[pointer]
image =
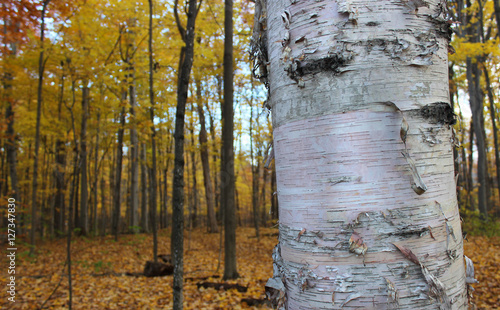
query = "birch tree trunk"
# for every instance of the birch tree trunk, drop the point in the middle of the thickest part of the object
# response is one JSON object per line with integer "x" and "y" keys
{"x": 363, "y": 147}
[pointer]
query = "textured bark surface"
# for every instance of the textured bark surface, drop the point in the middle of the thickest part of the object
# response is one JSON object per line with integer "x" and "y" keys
{"x": 207, "y": 181}
{"x": 185, "y": 65}
{"x": 227, "y": 163}
{"x": 84, "y": 193}
{"x": 364, "y": 162}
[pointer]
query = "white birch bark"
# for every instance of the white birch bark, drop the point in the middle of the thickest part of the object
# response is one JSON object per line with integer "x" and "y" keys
{"x": 363, "y": 148}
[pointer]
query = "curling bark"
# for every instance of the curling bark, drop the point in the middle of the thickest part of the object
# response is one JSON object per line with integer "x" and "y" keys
{"x": 368, "y": 211}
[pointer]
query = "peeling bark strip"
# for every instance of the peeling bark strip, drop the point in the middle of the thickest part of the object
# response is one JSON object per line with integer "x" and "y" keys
{"x": 359, "y": 96}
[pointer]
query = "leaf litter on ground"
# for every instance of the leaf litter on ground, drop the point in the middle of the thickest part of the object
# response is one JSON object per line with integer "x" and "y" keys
{"x": 99, "y": 267}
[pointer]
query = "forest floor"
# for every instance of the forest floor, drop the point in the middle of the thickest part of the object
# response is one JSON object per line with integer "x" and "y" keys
{"x": 99, "y": 267}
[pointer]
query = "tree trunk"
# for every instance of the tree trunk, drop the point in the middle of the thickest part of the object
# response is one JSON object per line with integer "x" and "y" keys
{"x": 207, "y": 181}
{"x": 255, "y": 178}
{"x": 227, "y": 163}
{"x": 84, "y": 195}
{"x": 134, "y": 157}
{"x": 215, "y": 169}
{"x": 185, "y": 65}
{"x": 364, "y": 160}
{"x": 493, "y": 117}
{"x": 153, "y": 188}
{"x": 472, "y": 204}
{"x": 263, "y": 197}
{"x": 60, "y": 186}
{"x": 476, "y": 105}
{"x": 41, "y": 67}
{"x": 194, "y": 205}
{"x": 274, "y": 196}
{"x": 10, "y": 144}
{"x": 104, "y": 215}
{"x": 496, "y": 5}
{"x": 144, "y": 192}
{"x": 96, "y": 175}
{"x": 118, "y": 170}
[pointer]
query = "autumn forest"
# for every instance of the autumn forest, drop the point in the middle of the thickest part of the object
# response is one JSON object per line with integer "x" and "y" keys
{"x": 136, "y": 152}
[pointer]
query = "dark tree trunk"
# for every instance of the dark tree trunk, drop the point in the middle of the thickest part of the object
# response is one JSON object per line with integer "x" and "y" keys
{"x": 118, "y": 170}
{"x": 194, "y": 202}
{"x": 471, "y": 165}
{"x": 10, "y": 144}
{"x": 104, "y": 215}
{"x": 263, "y": 196}
{"x": 476, "y": 103}
{"x": 84, "y": 195}
{"x": 496, "y": 4}
{"x": 134, "y": 157}
{"x": 255, "y": 177}
{"x": 164, "y": 206}
{"x": 41, "y": 68}
{"x": 70, "y": 227}
{"x": 185, "y": 65}
{"x": 494, "y": 126}
{"x": 153, "y": 186}
{"x": 274, "y": 197}
{"x": 227, "y": 164}
{"x": 96, "y": 175}
{"x": 207, "y": 181}
{"x": 144, "y": 192}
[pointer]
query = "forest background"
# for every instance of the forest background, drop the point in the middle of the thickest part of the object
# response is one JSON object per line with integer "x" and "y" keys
{"x": 79, "y": 117}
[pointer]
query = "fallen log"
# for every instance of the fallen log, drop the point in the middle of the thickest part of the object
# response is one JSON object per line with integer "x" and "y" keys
{"x": 222, "y": 286}
{"x": 252, "y": 302}
{"x": 157, "y": 269}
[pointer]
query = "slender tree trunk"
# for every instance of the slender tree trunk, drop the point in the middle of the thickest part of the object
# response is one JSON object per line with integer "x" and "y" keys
{"x": 255, "y": 177}
{"x": 185, "y": 65}
{"x": 144, "y": 192}
{"x": 161, "y": 191}
{"x": 112, "y": 166}
{"x": 364, "y": 166}
{"x": 41, "y": 67}
{"x": 496, "y": 5}
{"x": 152, "y": 194}
{"x": 10, "y": 143}
{"x": 84, "y": 196}
{"x": 476, "y": 104}
{"x": 134, "y": 157}
{"x": 227, "y": 163}
{"x": 274, "y": 196}
{"x": 263, "y": 197}
{"x": 104, "y": 216}
{"x": 215, "y": 170}
{"x": 118, "y": 170}
{"x": 207, "y": 181}
{"x": 493, "y": 117}
{"x": 164, "y": 206}
{"x": 472, "y": 204}
{"x": 194, "y": 207}
{"x": 96, "y": 175}
{"x": 70, "y": 228}
{"x": 59, "y": 169}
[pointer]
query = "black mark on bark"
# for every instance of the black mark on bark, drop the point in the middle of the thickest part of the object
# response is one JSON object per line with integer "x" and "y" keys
{"x": 440, "y": 112}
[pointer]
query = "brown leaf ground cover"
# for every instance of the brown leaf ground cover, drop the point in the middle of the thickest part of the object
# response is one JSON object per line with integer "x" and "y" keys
{"x": 100, "y": 264}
